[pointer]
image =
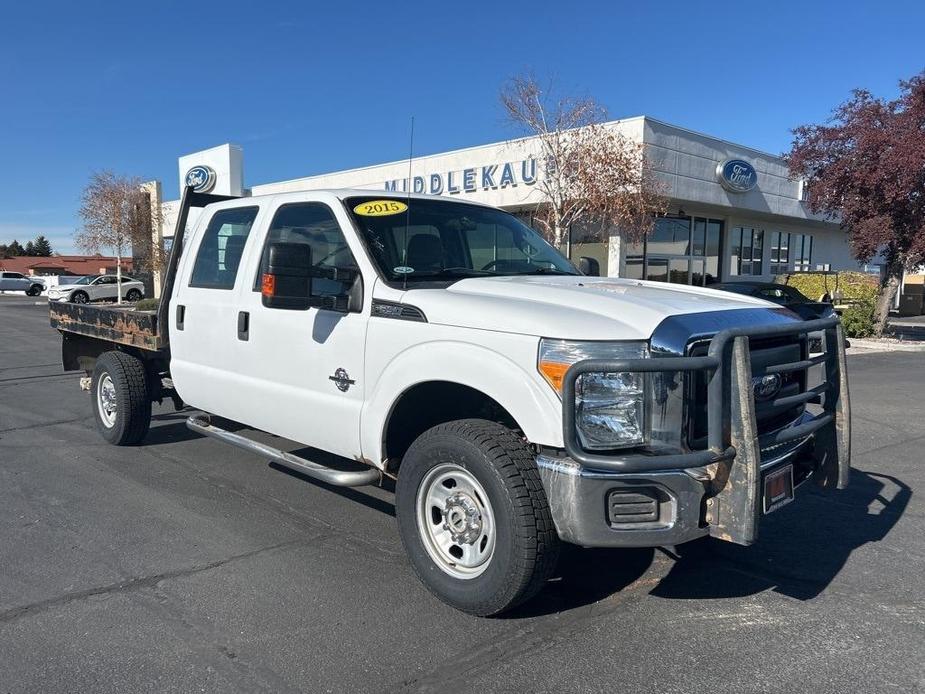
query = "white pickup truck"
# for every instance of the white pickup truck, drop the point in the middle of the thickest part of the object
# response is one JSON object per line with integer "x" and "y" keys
{"x": 516, "y": 401}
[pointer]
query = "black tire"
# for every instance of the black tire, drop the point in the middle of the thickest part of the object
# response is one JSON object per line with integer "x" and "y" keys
{"x": 131, "y": 418}
{"x": 80, "y": 297}
{"x": 133, "y": 295}
{"x": 34, "y": 290}
{"x": 526, "y": 546}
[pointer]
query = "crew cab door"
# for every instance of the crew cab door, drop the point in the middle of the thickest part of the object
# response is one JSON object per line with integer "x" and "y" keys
{"x": 204, "y": 359}
{"x": 303, "y": 369}
{"x": 293, "y": 373}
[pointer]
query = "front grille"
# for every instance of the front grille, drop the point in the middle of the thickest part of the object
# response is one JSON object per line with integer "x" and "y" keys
{"x": 763, "y": 353}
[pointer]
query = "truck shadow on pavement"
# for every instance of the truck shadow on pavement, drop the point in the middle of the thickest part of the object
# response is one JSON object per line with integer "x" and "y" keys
{"x": 171, "y": 428}
{"x": 800, "y": 550}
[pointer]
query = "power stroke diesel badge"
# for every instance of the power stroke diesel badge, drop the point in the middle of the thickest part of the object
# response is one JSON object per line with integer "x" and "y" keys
{"x": 342, "y": 380}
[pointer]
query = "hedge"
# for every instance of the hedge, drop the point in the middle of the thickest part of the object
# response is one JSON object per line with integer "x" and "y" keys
{"x": 858, "y": 289}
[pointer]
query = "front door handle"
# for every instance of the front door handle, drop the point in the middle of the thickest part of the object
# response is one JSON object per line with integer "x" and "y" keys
{"x": 244, "y": 325}
{"x": 181, "y": 316}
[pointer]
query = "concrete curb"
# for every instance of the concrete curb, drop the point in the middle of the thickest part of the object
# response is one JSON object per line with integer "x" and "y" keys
{"x": 886, "y": 345}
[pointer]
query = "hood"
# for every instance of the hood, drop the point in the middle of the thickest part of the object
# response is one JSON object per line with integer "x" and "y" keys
{"x": 572, "y": 307}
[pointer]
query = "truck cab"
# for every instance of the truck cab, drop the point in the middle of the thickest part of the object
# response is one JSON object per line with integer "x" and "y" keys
{"x": 517, "y": 402}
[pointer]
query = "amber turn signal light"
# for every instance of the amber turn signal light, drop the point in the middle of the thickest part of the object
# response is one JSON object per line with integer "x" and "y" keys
{"x": 268, "y": 285}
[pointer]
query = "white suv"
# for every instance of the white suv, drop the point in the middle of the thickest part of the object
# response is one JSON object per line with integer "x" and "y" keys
{"x": 86, "y": 289}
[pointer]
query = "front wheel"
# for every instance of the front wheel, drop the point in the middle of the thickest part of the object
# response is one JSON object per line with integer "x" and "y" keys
{"x": 473, "y": 516}
{"x": 133, "y": 295}
{"x": 121, "y": 404}
{"x": 80, "y": 298}
{"x": 34, "y": 290}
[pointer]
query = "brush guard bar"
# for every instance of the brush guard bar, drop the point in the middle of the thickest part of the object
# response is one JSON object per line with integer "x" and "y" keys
{"x": 733, "y": 454}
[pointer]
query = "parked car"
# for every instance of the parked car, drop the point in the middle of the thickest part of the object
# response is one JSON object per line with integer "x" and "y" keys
{"x": 18, "y": 282}
{"x": 517, "y": 402}
{"x": 782, "y": 294}
{"x": 93, "y": 288}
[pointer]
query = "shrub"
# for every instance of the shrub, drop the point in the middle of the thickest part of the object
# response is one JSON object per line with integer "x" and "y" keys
{"x": 858, "y": 289}
{"x": 858, "y": 319}
{"x": 146, "y": 305}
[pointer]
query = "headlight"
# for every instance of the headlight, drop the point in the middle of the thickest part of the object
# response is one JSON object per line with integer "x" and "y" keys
{"x": 609, "y": 407}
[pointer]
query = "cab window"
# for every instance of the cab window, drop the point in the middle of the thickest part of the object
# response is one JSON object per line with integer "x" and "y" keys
{"x": 313, "y": 224}
{"x": 221, "y": 248}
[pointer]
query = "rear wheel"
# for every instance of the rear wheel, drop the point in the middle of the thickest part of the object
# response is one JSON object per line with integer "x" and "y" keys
{"x": 80, "y": 297}
{"x": 473, "y": 516}
{"x": 121, "y": 404}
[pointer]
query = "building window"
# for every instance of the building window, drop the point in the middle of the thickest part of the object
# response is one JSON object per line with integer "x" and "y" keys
{"x": 791, "y": 251}
{"x": 802, "y": 251}
{"x": 683, "y": 250}
{"x": 747, "y": 248}
{"x": 780, "y": 253}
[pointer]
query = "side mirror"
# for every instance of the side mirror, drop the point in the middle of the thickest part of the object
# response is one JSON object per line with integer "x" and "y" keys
{"x": 287, "y": 281}
{"x": 589, "y": 266}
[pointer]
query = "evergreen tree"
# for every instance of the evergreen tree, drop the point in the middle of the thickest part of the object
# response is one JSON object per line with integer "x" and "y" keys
{"x": 14, "y": 249}
{"x": 4, "y": 251}
{"x": 41, "y": 247}
{"x": 30, "y": 248}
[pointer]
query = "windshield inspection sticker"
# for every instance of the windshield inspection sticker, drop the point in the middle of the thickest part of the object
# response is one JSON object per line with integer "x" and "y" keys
{"x": 402, "y": 270}
{"x": 380, "y": 208}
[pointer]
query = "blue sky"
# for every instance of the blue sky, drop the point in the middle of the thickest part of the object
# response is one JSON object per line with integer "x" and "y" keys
{"x": 309, "y": 87}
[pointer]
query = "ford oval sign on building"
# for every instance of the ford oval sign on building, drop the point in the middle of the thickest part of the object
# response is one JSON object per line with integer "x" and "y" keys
{"x": 736, "y": 175}
{"x": 201, "y": 179}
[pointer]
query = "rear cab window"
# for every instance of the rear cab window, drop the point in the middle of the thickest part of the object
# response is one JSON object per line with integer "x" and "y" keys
{"x": 221, "y": 248}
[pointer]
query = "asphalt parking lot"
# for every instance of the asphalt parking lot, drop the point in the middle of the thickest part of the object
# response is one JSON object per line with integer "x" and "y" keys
{"x": 186, "y": 565}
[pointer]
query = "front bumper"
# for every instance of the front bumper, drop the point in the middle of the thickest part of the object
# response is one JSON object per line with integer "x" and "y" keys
{"x": 671, "y": 499}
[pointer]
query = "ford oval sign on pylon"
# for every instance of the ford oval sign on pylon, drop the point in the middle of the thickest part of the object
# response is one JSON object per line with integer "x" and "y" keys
{"x": 201, "y": 178}
{"x": 736, "y": 175}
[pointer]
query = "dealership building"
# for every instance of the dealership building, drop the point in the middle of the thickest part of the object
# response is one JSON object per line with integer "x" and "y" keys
{"x": 734, "y": 212}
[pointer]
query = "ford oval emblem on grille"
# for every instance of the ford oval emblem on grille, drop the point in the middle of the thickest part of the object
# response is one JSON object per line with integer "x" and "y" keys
{"x": 766, "y": 387}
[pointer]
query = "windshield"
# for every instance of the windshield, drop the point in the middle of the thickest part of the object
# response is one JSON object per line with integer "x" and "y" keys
{"x": 78, "y": 280}
{"x": 442, "y": 240}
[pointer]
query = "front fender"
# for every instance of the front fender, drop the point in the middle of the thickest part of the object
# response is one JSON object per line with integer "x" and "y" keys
{"x": 528, "y": 399}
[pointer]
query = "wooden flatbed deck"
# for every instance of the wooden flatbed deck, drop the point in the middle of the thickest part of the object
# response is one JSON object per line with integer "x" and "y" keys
{"x": 119, "y": 324}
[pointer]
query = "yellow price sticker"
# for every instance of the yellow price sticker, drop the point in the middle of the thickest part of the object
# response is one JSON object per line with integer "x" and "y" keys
{"x": 380, "y": 208}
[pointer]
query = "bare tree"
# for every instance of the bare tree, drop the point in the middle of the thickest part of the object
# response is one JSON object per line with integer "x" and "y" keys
{"x": 594, "y": 175}
{"x": 117, "y": 214}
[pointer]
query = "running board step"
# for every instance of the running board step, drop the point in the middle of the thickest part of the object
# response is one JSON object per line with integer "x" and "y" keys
{"x": 202, "y": 424}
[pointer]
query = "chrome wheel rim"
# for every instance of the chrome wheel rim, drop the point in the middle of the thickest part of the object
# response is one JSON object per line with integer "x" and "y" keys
{"x": 456, "y": 521}
{"x": 79, "y": 299}
{"x": 106, "y": 400}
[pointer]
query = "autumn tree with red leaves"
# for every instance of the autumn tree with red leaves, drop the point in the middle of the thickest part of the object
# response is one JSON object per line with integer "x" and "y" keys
{"x": 866, "y": 168}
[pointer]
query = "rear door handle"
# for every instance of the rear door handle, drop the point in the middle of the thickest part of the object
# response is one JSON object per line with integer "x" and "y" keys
{"x": 244, "y": 325}
{"x": 181, "y": 314}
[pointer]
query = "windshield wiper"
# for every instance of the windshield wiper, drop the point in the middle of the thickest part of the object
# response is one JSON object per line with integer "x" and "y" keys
{"x": 450, "y": 272}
